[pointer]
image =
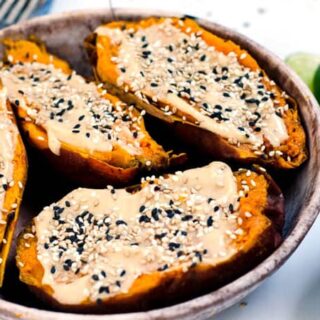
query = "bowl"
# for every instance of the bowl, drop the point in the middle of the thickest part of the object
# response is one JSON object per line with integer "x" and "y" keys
{"x": 64, "y": 34}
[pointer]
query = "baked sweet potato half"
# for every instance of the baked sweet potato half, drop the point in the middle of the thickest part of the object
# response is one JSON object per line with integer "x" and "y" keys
{"x": 87, "y": 134}
{"x": 212, "y": 93}
{"x": 13, "y": 172}
{"x": 166, "y": 240}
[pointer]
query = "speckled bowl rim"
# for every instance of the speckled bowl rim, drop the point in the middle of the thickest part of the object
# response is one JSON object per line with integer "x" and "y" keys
{"x": 212, "y": 303}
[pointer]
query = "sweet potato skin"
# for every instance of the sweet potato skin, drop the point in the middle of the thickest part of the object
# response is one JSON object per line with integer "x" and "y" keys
{"x": 100, "y": 52}
{"x": 165, "y": 288}
{"x": 90, "y": 169}
{"x": 13, "y": 195}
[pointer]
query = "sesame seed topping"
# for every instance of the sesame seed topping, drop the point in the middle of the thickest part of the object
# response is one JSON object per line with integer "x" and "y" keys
{"x": 78, "y": 107}
{"x": 120, "y": 235}
{"x": 187, "y": 67}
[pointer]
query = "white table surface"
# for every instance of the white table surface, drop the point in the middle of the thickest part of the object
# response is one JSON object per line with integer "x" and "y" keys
{"x": 283, "y": 26}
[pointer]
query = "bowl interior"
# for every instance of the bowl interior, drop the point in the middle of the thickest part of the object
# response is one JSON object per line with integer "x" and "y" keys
{"x": 64, "y": 36}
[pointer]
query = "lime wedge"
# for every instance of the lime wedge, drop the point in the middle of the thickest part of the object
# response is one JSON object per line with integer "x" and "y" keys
{"x": 305, "y": 65}
{"x": 316, "y": 84}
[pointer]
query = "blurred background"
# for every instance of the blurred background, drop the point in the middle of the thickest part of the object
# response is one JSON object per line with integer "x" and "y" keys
{"x": 289, "y": 28}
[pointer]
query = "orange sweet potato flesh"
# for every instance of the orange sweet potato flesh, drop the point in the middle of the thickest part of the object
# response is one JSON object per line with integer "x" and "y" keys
{"x": 13, "y": 194}
{"x": 158, "y": 289}
{"x": 96, "y": 168}
{"x": 100, "y": 50}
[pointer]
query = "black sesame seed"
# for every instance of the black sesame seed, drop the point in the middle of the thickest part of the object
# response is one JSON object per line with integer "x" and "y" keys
{"x": 205, "y": 105}
{"x": 163, "y": 268}
{"x": 252, "y": 100}
{"x": 70, "y": 105}
{"x": 198, "y": 255}
{"x": 173, "y": 246}
{"x": 52, "y": 239}
{"x": 103, "y": 273}
{"x": 160, "y": 236}
{"x": 153, "y": 84}
{"x": 123, "y": 272}
{"x": 203, "y": 57}
{"x": 68, "y": 262}
{"x": 95, "y": 277}
{"x": 226, "y": 94}
{"x": 179, "y": 253}
{"x": 104, "y": 289}
{"x": 53, "y": 269}
{"x": 144, "y": 218}
{"x": 154, "y": 214}
{"x": 243, "y": 96}
{"x": 209, "y": 221}
{"x": 170, "y": 213}
{"x": 120, "y": 222}
{"x": 109, "y": 237}
{"x": 187, "y": 217}
{"x": 142, "y": 208}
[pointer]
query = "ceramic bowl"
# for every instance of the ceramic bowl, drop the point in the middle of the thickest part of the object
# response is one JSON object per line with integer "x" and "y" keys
{"x": 64, "y": 34}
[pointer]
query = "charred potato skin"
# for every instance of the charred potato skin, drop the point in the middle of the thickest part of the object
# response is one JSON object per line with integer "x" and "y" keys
{"x": 173, "y": 286}
{"x": 13, "y": 195}
{"x": 74, "y": 163}
{"x": 202, "y": 139}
